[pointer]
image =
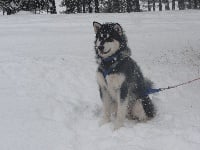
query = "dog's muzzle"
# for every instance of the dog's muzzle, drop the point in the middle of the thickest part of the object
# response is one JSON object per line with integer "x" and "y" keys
{"x": 101, "y": 48}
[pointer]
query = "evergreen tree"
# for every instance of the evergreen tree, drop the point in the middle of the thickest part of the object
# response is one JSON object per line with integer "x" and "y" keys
{"x": 52, "y": 7}
{"x": 167, "y": 5}
{"x": 149, "y": 6}
{"x": 96, "y": 2}
{"x": 128, "y": 4}
{"x": 154, "y": 5}
{"x": 116, "y": 6}
{"x": 8, "y": 6}
{"x": 173, "y": 4}
{"x": 89, "y": 6}
{"x": 137, "y": 6}
{"x": 195, "y": 4}
{"x": 189, "y": 4}
{"x": 70, "y": 6}
{"x": 84, "y": 5}
{"x": 199, "y": 3}
{"x": 160, "y": 5}
{"x": 181, "y": 4}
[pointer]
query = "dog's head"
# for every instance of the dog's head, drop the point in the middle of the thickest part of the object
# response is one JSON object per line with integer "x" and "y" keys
{"x": 109, "y": 39}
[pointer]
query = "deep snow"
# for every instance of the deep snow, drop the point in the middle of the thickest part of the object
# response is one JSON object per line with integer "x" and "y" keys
{"x": 49, "y": 98}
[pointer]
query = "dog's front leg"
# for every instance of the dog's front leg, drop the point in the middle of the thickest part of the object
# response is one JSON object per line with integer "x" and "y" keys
{"x": 106, "y": 99}
{"x": 121, "y": 111}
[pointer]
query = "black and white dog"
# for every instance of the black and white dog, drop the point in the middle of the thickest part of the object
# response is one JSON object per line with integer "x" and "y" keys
{"x": 121, "y": 83}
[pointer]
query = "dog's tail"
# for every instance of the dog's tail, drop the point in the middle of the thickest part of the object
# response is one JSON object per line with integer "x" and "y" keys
{"x": 147, "y": 102}
{"x": 148, "y": 84}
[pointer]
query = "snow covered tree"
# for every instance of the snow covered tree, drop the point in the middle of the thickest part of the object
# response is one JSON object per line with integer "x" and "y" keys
{"x": 149, "y": 5}
{"x": 36, "y": 6}
{"x": 89, "y": 6}
{"x": 9, "y": 6}
{"x": 96, "y": 2}
{"x": 189, "y": 4}
{"x": 167, "y": 5}
{"x": 106, "y": 6}
{"x": 132, "y": 5}
{"x": 70, "y": 6}
{"x": 160, "y": 5}
{"x": 181, "y": 4}
{"x": 154, "y": 5}
{"x": 79, "y": 7}
{"x": 52, "y": 6}
{"x": 173, "y": 4}
{"x": 137, "y": 6}
{"x": 116, "y": 6}
{"x": 129, "y": 5}
{"x": 195, "y": 4}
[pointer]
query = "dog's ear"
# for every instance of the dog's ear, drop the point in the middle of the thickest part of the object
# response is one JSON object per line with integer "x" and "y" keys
{"x": 118, "y": 28}
{"x": 96, "y": 26}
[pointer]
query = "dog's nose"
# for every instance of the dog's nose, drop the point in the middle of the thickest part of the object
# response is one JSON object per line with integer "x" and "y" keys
{"x": 101, "y": 47}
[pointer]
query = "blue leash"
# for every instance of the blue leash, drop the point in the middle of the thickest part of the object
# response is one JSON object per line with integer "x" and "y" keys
{"x": 152, "y": 91}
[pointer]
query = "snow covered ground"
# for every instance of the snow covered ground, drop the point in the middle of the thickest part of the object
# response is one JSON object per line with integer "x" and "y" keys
{"x": 49, "y": 98}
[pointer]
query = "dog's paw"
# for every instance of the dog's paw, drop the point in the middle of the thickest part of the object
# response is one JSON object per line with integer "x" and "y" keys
{"x": 117, "y": 125}
{"x": 104, "y": 121}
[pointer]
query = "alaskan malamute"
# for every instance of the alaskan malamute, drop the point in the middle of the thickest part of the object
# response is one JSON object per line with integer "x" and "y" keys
{"x": 121, "y": 83}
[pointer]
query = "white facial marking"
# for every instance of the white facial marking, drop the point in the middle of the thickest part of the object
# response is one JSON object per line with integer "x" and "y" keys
{"x": 110, "y": 47}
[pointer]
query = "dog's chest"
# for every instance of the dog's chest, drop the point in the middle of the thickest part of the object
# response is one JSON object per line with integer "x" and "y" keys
{"x": 111, "y": 82}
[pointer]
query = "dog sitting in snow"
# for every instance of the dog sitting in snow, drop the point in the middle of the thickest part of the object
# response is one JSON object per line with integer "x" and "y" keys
{"x": 121, "y": 83}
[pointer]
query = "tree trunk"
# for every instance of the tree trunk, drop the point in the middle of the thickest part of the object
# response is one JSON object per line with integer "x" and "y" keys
{"x": 128, "y": 8}
{"x": 160, "y": 5}
{"x": 154, "y": 5}
{"x": 9, "y": 11}
{"x": 181, "y": 4}
{"x": 78, "y": 6}
{"x": 89, "y": 6}
{"x": 116, "y": 6}
{"x": 83, "y": 1}
{"x": 109, "y": 6}
{"x": 195, "y": 4}
{"x": 189, "y": 4}
{"x": 53, "y": 7}
{"x": 137, "y": 6}
{"x": 3, "y": 11}
{"x": 167, "y": 5}
{"x": 96, "y": 6}
{"x": 199, "y": 4}
{"x": 173, "y": 4}
{"x": 149, "y": 6}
